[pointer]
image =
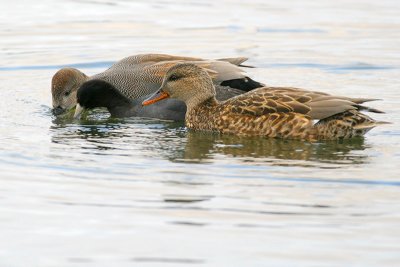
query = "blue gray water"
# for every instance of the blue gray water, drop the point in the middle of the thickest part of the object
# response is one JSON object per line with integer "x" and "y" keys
{"x": 140, "y": 192}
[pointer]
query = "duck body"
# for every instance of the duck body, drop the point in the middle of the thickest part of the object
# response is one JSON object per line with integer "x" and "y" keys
{"x": 228, "y": 118}
{"x": 98, "y": 93}
{"x": 140, "y": 75}
{"x": 268, "y": 111}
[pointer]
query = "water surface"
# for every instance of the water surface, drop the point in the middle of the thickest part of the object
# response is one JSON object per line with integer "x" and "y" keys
{"x": 142, "y": 192}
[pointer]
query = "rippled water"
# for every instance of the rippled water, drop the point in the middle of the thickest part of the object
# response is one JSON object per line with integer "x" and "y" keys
{"x": 140, "y": 192}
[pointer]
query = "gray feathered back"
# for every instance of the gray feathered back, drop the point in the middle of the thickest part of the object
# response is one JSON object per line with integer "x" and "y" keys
{"x": 140, "y": 75}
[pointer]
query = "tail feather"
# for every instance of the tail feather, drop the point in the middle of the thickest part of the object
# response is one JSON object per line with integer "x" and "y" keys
{"x": 235, "y": 60}
{"x": 370, "y": 125}
{"x": 245, "y": 84}
{"x": 345, "y": 125}
{"x": 227, "y": 74}
{"x": 226, "y": 71}
{"x": 359, "y": 100}
{"x": 246, "y": 66}
{"x": 365, "y": 108}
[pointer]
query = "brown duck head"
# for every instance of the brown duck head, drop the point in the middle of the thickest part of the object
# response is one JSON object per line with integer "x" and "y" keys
{"x": 64, "y": 86}
{"x": 187, "y": 82}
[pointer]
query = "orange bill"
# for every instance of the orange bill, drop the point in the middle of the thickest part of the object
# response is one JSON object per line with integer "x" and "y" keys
{"x": 157, "y": 96}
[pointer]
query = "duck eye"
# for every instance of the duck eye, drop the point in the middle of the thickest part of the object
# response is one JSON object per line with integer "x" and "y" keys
{"x": 173, "y": 77}
{"x": 67, "y": 93}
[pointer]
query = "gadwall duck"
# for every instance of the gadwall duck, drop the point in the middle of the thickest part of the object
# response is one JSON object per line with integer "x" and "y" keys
{"x": 141, "y": 75}
{"x": 268, "y": 111}
{"x": 98, "y": 93}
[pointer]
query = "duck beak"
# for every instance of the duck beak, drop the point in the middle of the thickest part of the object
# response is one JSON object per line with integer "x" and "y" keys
{"x": 58, "y": 110}
{"x": 157, "y": 96}
{"x": 78, "y": 111}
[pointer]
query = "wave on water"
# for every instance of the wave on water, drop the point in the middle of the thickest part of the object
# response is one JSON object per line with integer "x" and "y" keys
{"x": 83, "y": 65}
{"x": 105, "y": 64}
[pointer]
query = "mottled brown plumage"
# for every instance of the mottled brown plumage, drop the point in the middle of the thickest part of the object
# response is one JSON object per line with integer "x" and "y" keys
{"x": 141, "y": 75}
{"x": 268, "y": 111}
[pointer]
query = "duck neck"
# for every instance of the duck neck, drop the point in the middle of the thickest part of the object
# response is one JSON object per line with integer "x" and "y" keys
{"x": 201, "y": 114}
{"x": 80, "y": 78}
{"x": 120, "y": 106}
{"x": 194, "y": 103}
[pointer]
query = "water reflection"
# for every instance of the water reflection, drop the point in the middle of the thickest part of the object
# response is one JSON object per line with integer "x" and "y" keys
{"x": 201, "y": 145}
{"x": 172, "y": 141}
{"x": 122, "y": 137}
{"x": 168, "y": 260}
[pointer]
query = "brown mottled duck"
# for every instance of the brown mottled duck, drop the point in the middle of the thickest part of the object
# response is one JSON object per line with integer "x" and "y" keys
{"x": 268, "y": 111}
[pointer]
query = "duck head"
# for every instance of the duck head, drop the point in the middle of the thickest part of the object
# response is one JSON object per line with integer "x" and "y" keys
{"x": 98, "y": 93}
{"x": 187, "y": 82}
{"x": 64, "y": 86}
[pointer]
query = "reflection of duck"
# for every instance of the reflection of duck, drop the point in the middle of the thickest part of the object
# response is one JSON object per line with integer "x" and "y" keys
{"x": 140, "y": 75}
{"x": 267, "y": 111}
{"x": 100, "y": 132}
{"x": 205, "y": 145}
{"x": 136, "y": 135}
{"x": 93, "y": 133}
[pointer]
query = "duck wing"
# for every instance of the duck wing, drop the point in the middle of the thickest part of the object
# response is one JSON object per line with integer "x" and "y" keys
{"x": 321, "y": 105}
{"x": 156, "y": 58}
{"x": 261, "y": 102}
{"x": 324, "y": 105}
{"x": 141, "y": 60}
{"x": 317, "y": 105}
{"x": 219, "y": 70}
{"x": 142, "y": 79}
{"x": 149, "y": 59}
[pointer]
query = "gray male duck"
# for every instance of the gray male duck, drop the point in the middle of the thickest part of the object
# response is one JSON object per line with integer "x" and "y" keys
{"x": 134, "y": 77}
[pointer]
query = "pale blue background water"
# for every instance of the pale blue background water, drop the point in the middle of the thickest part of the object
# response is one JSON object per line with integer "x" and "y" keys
{"x": 138, "y": 192}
